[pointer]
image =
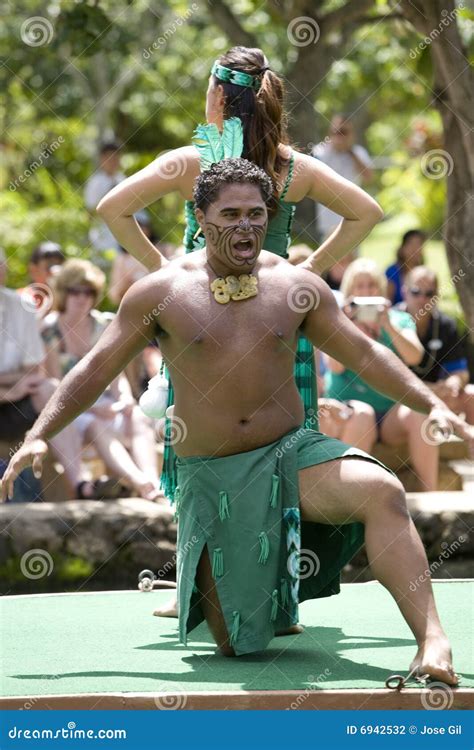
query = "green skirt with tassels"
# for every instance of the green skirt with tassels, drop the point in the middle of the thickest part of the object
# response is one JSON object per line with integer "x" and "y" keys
{"x": 265, "y": 561}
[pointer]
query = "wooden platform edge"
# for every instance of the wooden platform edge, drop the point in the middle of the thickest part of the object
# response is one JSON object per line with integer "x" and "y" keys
{"x": 258, "y": 700}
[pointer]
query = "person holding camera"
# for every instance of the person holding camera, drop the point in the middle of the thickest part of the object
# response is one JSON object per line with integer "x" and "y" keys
{"x": 364, "y": 287}
{"x": 444, "y": 366}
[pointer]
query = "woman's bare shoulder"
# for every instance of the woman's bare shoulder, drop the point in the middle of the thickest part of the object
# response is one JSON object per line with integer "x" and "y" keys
{"x": 302, "y": 173}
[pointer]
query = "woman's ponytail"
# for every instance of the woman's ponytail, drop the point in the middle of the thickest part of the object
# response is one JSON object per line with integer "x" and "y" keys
{"x": 262, "y": 112}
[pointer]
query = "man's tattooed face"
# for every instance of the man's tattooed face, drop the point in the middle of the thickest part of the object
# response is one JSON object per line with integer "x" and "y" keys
{"x": 235, "y": 226}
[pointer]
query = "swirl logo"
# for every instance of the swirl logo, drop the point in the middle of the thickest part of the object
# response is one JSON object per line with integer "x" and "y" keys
{"x": 438, "y": 697}
{"x": 71, "y": 725}
{"x": 302, "y": 298}
{"x": 36, "y": 31}
{"x": 302, "y": 31}
{"x": 434, "y": 433}
{"x": 37, "y": 298}
{"x": 171, "y": 168}
{"x": 436, "y": 164}
{"x": 309, "y": 564}
{"x": 177, "y": 431}
{"x": 36, "y": 563}
{"x": 171, "y": 702}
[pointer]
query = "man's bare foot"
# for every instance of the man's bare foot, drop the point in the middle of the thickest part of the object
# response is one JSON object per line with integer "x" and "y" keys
{"x": 434, "y": 658}
{"x": 292, "y": 630}
{"x": 170, "y": 609}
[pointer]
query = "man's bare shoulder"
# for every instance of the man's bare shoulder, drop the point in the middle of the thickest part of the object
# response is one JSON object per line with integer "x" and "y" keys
{"x": 167, "y": 280}
{"x": 294, "y": 273}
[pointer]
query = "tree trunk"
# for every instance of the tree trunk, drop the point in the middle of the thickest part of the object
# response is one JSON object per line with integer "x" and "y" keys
{"x": 454, "y": 98}
{"x": 303, "y": 130}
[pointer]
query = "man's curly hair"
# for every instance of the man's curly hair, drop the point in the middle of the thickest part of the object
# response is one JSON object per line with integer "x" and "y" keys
{"x": 229, "y": 172}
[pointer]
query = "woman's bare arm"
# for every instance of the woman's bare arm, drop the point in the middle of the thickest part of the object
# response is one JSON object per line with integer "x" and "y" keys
{"x": 359, "y": 211}
{"x": 171, "y": 172}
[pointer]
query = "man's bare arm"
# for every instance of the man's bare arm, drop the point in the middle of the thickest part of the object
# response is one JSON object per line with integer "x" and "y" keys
{"x": 330, "y": 330}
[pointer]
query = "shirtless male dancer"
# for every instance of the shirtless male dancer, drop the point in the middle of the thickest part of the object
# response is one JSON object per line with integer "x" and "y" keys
{"x": 227, "y": 318}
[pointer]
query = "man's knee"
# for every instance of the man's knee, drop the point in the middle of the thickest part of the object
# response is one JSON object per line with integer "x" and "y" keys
{"x": 392, "y": 497}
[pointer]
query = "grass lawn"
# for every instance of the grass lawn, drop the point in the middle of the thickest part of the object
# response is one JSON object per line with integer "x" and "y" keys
{"x": 382, "y": 244}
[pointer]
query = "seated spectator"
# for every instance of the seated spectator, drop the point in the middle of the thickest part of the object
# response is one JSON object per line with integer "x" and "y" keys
{"x": 409, "y": 255}
{"x": 46, "y": 256}
{"x": 45, "y": 260}
{"x": 352, "y": 422}
{"x": 396, "y": 424}
{"x": 24, "y": 389}
{"x": 444, "y": 364}
{"x": 125, "y": 271}
{"x": 115, "y": 425}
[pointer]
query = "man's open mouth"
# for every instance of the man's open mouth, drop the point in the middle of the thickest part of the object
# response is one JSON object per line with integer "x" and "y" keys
{"x": 244, "y": 248}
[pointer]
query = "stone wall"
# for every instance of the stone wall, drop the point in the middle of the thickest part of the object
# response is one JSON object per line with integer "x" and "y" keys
{"x": 84, "y": 545}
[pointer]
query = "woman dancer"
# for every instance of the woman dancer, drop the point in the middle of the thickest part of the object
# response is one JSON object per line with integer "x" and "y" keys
{"x": 242, "y": 85}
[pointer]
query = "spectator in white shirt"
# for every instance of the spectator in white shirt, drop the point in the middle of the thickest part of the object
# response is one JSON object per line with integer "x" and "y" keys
{"x": 24, "y": 388}
{"x": 352, "y": 161}
{"x": 107, "y": 176}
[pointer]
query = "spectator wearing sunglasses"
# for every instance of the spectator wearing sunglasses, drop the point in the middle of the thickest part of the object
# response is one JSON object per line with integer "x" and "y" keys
{"x": 352, "y": 161}
{"x": 409, "y": 255}
{"x": 444, "y": 365}
{"x": 119, "y": 431}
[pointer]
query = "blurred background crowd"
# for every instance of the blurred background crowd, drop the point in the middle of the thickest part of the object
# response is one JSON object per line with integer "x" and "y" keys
{"x": 130, "y": 85}
{"x": 65, "y": 303}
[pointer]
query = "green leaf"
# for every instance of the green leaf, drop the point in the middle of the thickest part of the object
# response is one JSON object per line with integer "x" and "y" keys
{"x": 233, "y": 138}
{"x": 208, "y": 142}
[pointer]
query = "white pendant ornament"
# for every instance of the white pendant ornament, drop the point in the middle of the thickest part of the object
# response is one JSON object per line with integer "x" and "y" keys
{"x": 154, "y": 401}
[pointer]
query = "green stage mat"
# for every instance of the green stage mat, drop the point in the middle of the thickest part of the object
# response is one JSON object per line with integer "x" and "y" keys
{"x": 109, "y": 642}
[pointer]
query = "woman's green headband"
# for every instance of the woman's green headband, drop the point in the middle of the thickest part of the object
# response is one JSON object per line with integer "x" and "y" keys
{"x": 235, "y": 76}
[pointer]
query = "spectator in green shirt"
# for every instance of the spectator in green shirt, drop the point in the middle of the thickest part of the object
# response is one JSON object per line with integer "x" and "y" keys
{"x": 394, "y": 424}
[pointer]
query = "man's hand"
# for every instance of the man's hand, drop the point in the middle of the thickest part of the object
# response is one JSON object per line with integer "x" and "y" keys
{"x": 30, "y": 454}
{"x": 441, "y": 423}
